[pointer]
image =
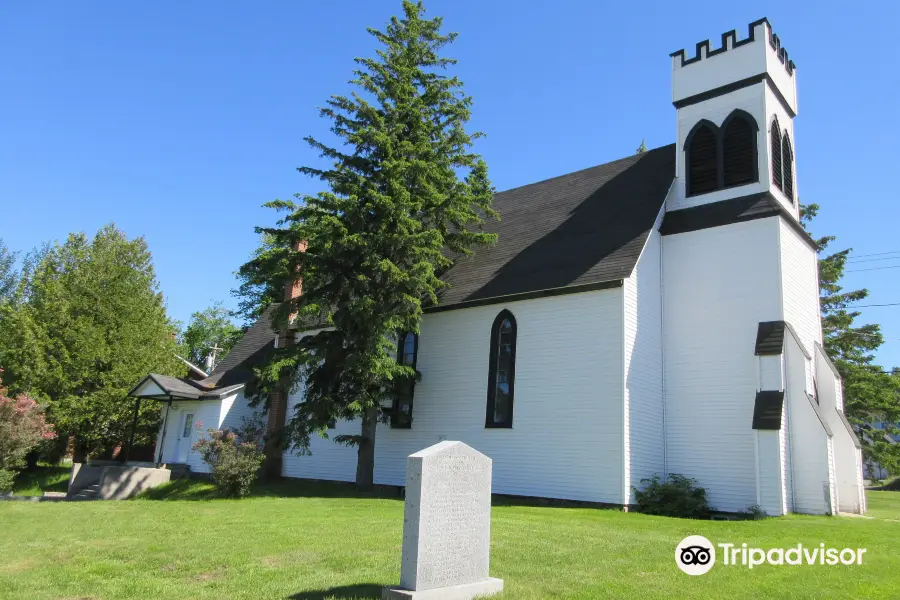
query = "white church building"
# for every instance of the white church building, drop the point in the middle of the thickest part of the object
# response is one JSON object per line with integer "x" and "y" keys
{"x": 656, "y": 314}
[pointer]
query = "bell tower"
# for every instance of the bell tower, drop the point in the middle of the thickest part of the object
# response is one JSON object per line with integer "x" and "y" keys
{"x": 735, "y": 120}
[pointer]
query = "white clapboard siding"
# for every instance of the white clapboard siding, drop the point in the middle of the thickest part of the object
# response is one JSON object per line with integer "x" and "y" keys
{"x": 787, "y": 481}
{"x": 326, "y": 460}
{"x": 236, "y": 408}
{"x": 769, "y": 473}
{"x": 567, "y": 438}
{"x": 718, "y": 284}
{"x": 800, "y": 288}
{"x": 812, "y": 472}
{"x": 644, "y": 423}
{"x": 205, "y": 412}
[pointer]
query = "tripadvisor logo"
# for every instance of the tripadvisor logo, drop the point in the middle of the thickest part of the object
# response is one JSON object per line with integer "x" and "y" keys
{"x": 696, "y": 555}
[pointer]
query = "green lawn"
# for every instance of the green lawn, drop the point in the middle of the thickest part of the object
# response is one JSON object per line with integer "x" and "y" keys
{"x": 44, "y": 479}
{"x": 326, "y": 542}
{"x": 883, "y": 505}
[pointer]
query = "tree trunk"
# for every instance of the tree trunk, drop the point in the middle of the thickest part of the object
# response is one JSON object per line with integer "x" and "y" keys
{"x": 79, "y": 451}
{"x": 365, "y": 462}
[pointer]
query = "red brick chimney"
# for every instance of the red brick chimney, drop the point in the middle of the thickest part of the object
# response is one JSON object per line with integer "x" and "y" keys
{"x": 278, "y": 400}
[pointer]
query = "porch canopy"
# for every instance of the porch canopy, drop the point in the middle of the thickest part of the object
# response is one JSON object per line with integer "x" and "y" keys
{"x": 168, "y": 388}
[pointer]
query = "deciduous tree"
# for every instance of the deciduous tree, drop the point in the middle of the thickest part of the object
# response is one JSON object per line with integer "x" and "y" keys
{"x": 91, "y": 323}
{"x": 207, "y": 328}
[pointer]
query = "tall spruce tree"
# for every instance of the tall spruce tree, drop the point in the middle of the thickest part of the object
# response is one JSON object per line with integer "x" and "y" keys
{"x": 870, "y": 393}
{"x": 405, "y": 195}
{"x": 89, "y": 323}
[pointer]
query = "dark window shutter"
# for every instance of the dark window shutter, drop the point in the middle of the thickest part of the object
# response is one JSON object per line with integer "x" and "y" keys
{"x": 703, "y": 172}
{"x": 776, "y": 155}
{"x": 739, "y": 152}
{"x": 787, "y": 166}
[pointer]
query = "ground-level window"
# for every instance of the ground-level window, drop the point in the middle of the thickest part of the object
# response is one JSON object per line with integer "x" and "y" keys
{"x": 407, "y": 349}
{"x": 501, "y": 371}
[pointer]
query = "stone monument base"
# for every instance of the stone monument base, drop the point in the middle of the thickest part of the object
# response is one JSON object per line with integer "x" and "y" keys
{"x": 465, "y": 591}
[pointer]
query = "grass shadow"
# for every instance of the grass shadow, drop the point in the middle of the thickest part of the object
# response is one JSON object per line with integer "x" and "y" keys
{"x": 196, "y": 489}
{"x": 43, "y": 479}
{"x": 181, "y": 489}
{"x": 360, "y": 590}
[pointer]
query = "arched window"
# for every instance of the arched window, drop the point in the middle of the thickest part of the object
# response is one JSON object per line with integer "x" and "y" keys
{"x": 739, "y": 149}
{"x": 407, "y": 351}
{"x": 702, "y": 159}
{"x": 787, "y": 166}
{"x": 776, "y": 155}
{"x": 501, "y": 371}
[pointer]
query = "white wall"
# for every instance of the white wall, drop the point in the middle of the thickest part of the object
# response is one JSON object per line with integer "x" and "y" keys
{"x": 205, "y": 411}
{"x": 787, "y": 465}
{"x": 770, "y": 444}
{"x": 718, "y": 284}
{"x": 644, "y": 423}
{"x": 770, "y": 495}
{"x": 847, "y": 471}
{"x": 234, "y": 409}
{"x": 811, "y": 453}
{"x": 566, "y": 440}
{"x": 800, "y": 288}
{"x": 327, "y": 460}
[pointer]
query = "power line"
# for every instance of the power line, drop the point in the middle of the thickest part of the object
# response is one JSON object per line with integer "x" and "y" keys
{"x": 852, "y": 260}
{"x": 875, "y": 254}
{"x": 870, "y": 305}
{"x": 873, "y": 269}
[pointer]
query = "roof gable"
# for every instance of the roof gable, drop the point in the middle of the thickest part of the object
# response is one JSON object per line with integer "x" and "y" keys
{"x": 251, "y": 350}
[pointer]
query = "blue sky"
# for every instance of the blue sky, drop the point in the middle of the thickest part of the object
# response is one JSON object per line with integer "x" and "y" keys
{"x": 177, "y": 120}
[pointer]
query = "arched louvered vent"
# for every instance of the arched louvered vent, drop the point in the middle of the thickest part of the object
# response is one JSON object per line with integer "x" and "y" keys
{"x": 702, "y": 161}
{"x": 739, "y": 150}
{"x": 787, "y": 166}
{"x": 776, "y": 155}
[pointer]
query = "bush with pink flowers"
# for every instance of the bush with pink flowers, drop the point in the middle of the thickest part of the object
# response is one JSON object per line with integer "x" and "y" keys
{"x": 235, "y": 456}
{"x": 22, "y": 428}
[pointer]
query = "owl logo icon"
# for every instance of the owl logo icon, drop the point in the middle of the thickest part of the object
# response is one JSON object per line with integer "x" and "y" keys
{"x": 695, "y": 555}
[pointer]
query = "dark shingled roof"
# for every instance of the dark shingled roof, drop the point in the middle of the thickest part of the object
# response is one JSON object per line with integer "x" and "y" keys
{"x": 576, "y": 230}
{"x": 233, "y": 371}
{"x": 587, "y": 227}
{"x": 251, "y": 350}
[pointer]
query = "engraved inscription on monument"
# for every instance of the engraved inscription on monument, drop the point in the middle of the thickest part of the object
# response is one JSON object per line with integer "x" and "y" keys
{"x": 446, "y": 525}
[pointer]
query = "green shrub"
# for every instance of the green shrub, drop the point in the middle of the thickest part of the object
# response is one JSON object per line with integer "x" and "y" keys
{"x": 234, "y": 456}
{"x": 7, "y": 478}
{"x": 675, "y": 496}
{"x": 754, "y": 512}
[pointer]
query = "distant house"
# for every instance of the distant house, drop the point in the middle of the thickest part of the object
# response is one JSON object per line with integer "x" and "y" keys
{"x": 655, "y": 314}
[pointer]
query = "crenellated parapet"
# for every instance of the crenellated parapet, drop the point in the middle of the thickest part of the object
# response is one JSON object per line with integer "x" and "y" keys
{"x": 758, "y": 30}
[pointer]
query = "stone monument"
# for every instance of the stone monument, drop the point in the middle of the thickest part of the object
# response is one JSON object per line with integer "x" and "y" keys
{"x": 446, "y": 526}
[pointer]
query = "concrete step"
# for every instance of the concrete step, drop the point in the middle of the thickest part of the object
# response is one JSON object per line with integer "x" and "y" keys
{"x": 90, "y": 492}
{"x": 179, "y": 471}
